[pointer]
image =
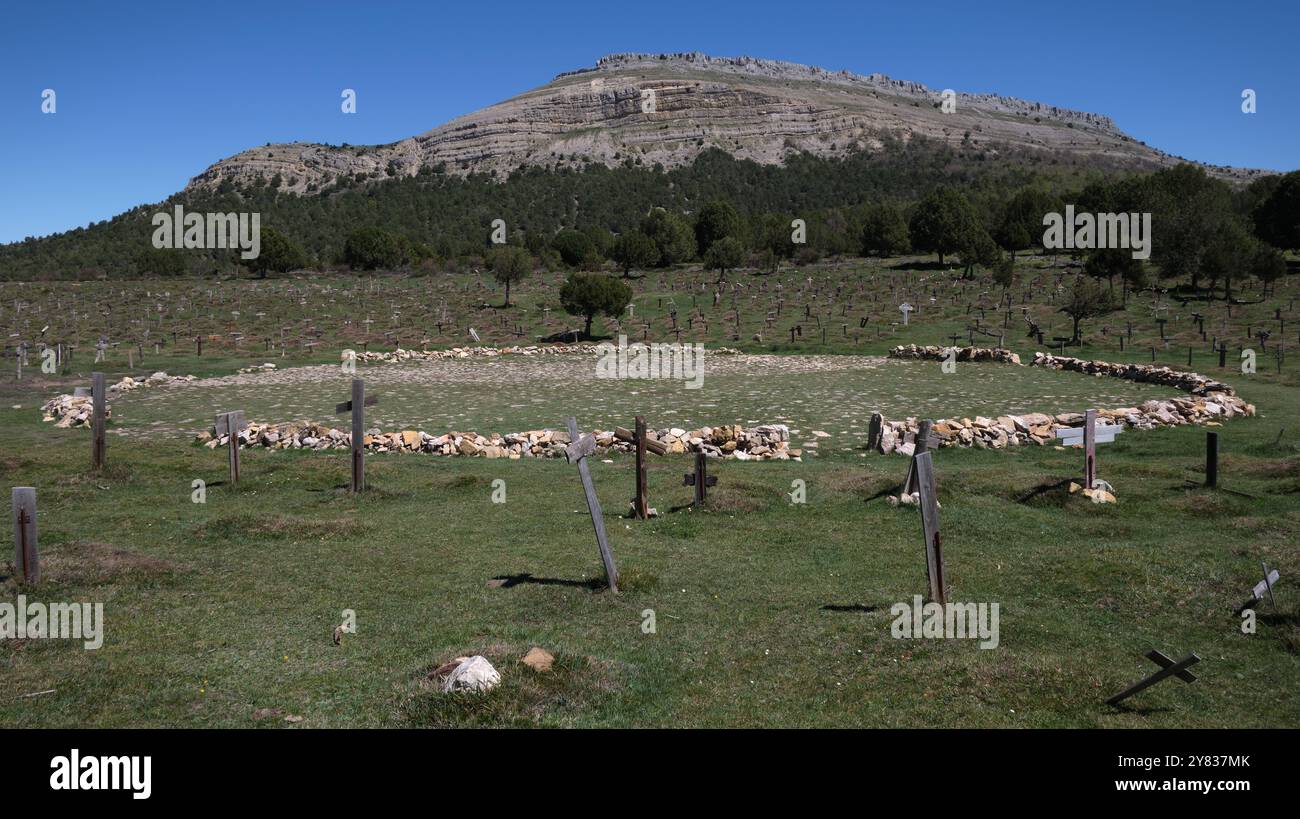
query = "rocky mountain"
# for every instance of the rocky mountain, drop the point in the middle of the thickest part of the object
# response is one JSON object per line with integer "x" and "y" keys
{"x": 669, "y": 108}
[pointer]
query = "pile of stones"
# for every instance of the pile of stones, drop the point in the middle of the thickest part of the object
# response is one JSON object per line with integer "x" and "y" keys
{"x": 75, "y": 410}
{"x": 933, "y": 353}
{"x": 733, "y": 442}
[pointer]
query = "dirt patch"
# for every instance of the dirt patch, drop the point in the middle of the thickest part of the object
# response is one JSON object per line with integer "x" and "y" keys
{"x": 89, "y": 563}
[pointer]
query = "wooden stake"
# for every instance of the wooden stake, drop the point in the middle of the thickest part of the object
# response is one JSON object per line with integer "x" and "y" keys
{"x": 1089, "y": 448}
{"x": 930, "y": 528}
{"x": 97, "y": 421}
{"x": 358, "y": 435}
{"x": 641, "y": 501}
{"x": 577, "y": 451}
{"x": 27, "y": 564}
{"x": 1212, "y": 459}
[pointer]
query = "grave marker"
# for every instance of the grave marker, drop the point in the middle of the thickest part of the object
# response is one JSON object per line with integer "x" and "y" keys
{"x": 97, "y": 421}
{"x": 700, "y": 479}
{"x": 27, "y": 564}
{"x": 641, "y": 501}
{"x": 1168, "y": 668}
{"x": 929, "y": 503}
{"x": 1089, "y": 435}
{"x": 1212, "y": 459}
{"x": 1257, "y": 593}
{"x": 579, "y": 448}
{"x": 357, "y": 406}
{"x": 232, "y": 423}
{"x": 907, "y": 311}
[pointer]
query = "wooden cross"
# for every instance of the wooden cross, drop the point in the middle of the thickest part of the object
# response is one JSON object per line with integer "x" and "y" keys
{"x": 1262, "y": 588}
{"x": 700, "y": 479}
{"x": 930, "y": 528}
{"x": 357, "y": 406}
{"x": 232, "y": 423}
{"x": 576, "y": 452}
{"x": 27, "y": 564}
{"x": 1168, "y": 668}
{"x": 1089, "y": 435}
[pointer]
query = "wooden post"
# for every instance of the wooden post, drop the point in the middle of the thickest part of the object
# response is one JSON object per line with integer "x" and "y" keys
{"x": 1089, "y": 448}
{"x": 1212, "y": 459}
{"x": 358, "y": 435}
{"x": 27, "y": 564}
{"x": 97, "y": 421}
{"x": 577, "y": 451}
{"x": 233, "y": 423}
{"x": 930, "y": 528}
{"x": 641, "y": 501}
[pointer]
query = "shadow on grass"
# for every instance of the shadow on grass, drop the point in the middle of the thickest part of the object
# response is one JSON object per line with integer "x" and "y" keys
{"x": 1047, "y": 494}
{"x": 852, "y": 607}
{"x": 509, "y": 581}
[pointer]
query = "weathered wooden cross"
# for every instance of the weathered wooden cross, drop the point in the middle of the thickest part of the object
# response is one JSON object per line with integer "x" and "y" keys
{"x": 27, "y": 564}
{"x": 232, "y": 423}
{"x": 930, "y": 528}
{"x": 1089, "y": 435}
{"x": 1168, "y": 668}
{"x": 1262, "y": 588}
{"x": 576, "y": 452}
{"x": 357, "y": 406}
{"x": 700, "y": 479}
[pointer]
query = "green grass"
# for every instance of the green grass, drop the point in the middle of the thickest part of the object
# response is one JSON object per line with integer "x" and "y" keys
{"x": 768, "y": 613}
{"x": 217, "y": 610}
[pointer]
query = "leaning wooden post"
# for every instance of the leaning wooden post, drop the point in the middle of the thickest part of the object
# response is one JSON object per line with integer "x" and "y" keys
{"x": 642, "y": 500}
{"x": 1089, "y": 448}
{"x": 97, "y": 420}
{"x": 930, "y": 528}
{"x": 576, "y": 452}
{"x": 358, "y": 435}
{"x": 1212, "y": 459}
{"x": 27, "y": 564}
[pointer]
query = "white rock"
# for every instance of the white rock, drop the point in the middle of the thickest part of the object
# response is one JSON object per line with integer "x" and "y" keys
{"x": 475, "y": 674}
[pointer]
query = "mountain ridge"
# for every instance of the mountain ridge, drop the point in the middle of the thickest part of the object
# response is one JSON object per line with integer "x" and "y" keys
{"x": 752, "y": 108}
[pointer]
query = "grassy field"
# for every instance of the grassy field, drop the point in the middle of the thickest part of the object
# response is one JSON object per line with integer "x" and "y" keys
{"x": 767, "y": 613}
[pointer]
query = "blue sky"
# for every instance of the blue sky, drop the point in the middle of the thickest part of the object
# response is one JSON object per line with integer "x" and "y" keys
{"x": 149, "y": 94}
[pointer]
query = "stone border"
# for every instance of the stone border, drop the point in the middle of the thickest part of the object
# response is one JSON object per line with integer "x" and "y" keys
{"x": 733, "y": 442}
{"x": 1211, "y": 402}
